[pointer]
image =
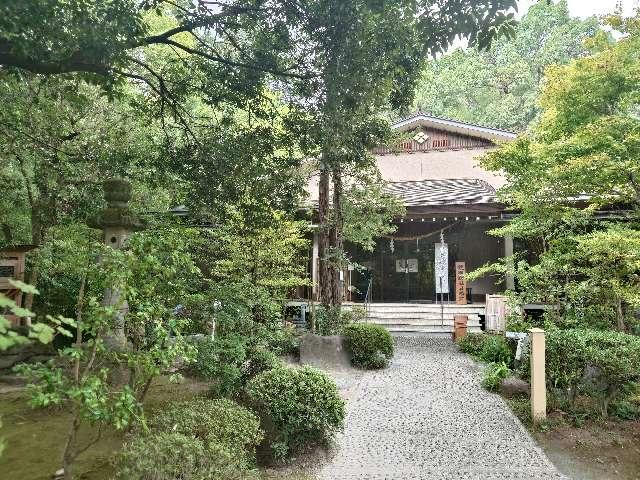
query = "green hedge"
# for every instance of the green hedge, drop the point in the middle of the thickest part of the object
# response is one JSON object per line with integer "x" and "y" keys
{"x": 198, "y": 439}
{"x": 298, "y": 406}
{"x": 170, "y": 456}
{"x": 488, "y": 348}
{"x": 219, "y": 421}
{"x": 471, "y": 343}
{"x": 614, "y": 356}
{"x": 229, "y": 362}
{"x": 371, "y": 346}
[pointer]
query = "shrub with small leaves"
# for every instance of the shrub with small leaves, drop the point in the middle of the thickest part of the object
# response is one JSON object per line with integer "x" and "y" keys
{"x": 493, "y": 375}
{"x": 472, "y": 343}
{"x": 298, "y": 406}
{"x": 170, "y": 455}
{"x": 613, "y": 359}
{"x": 495, "y": 349}
{"x": 260, "y": 360}
{"x": 222, "y": 360}
{"x": 219, "y": 421}
{"x": 371, "y": 346}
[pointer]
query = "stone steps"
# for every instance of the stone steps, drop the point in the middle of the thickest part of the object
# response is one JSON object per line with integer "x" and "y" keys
{"x": 427, "y": 319}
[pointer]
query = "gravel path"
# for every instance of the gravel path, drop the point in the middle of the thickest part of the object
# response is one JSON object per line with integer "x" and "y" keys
{"x": 426, "y": 417}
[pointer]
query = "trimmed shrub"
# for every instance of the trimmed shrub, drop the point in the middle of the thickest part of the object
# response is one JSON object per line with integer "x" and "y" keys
{"x": 215, "y": 422}
{"x": 493, "y": 375}
{"x": 260, "y": 360}
{"x": 221, "y": 360}
{"x": 331, "y": 321}
{"x": 612, "y": 359}
{"x": 298, "y": 406}
{"x": 472, "y": 343}
{"x": 170, "y": 455}
{"x": 355, "y": 314}
{"x": 199, "y": 439}
{"x": 495, "y": 349}
{"x": 371, "y": 346}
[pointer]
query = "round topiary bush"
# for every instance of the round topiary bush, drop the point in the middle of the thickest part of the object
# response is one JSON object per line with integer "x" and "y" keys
{"x": 298, "y": 406}
{"x": 260, "y": 360}
{"x": 371, "y": 346}
{"x": 219, "y": 421}
{"x": 170, "y": 455}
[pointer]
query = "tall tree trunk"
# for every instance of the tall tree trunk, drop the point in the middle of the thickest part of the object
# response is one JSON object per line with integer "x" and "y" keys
{"x": 324, "y": 273}
{"x": 36, "y": 239}
{"x": 336, "y": 236}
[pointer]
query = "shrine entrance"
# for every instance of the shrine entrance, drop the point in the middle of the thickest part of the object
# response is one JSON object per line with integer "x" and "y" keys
{"x": 402, "y": 267}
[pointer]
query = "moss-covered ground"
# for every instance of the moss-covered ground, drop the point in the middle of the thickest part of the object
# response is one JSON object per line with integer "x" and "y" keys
{"x": 34, "y": 439}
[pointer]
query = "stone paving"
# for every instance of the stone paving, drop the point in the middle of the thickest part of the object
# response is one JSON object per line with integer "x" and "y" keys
{"x": 427, "y": 417}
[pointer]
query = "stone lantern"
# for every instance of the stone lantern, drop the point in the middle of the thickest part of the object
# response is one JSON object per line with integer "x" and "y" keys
{"x": 117, "y": 222}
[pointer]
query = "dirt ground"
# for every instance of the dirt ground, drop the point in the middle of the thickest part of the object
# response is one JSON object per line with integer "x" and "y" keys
{"x": 595, "y": 451}
{"x": 34, "y": 438}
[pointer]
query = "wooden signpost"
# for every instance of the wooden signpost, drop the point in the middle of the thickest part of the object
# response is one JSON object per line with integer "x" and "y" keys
{"x": 461, "y": 284}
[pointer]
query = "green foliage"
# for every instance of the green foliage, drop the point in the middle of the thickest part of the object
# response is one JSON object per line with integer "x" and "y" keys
{"x": 260, "y": 360}
{"x": 218, "y": 421}
{"x": 368, "y": 211}
{"x": 495, "y": 349}
{"x": 472, "y": 343}
{"x": 371, "y": 346}
{"x": 43, "y": 332}
{"x": 493, "y": 375}
{"x": 488, "y": 348}
{"x": 222, "y": 360}
{"x": 612, "y": 357}
{"x": 498, "y": 87}
{"x": 170, "y": 455}
{"x": 354, "y": 314}
{"x": 581, "y": 157}
{"x": 332, "y": 320}
{"x": 299, "y": 406}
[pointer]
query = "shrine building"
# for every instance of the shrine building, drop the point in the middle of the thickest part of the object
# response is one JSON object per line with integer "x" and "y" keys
{"x": 450, "y": 203}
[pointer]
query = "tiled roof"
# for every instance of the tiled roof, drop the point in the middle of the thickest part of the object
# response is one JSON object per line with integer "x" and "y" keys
{"x": 421, "y": 118}
{"x": 455, "y": 191}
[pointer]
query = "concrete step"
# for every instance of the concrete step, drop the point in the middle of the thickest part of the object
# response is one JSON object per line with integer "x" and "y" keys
{"x": 411, "y": 308}
{"x": 418, "y": 321}
{"x": 410, "y": 329}
{"x": 424, "y": 315}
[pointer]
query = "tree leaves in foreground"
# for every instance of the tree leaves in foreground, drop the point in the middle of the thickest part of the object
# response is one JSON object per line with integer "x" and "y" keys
{"x": 575, "y": 181}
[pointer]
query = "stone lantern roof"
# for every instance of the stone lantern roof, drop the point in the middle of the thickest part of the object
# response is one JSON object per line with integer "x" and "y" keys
{"x": 117, "y": 193}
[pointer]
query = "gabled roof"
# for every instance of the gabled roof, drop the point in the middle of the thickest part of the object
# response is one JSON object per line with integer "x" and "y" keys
{"x": 452, "y": 191}
{"x": 425, "y": 120}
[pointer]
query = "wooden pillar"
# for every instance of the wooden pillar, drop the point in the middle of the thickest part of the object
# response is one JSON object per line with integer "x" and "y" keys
{"x": 508, "y": 253}
{"x": 538, "y": 380}
{"x": 314, "y": 268}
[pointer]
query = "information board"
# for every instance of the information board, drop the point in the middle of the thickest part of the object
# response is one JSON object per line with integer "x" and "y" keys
{"x": 441, "y": 261}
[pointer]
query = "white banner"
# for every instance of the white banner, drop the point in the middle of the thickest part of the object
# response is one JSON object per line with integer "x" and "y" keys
{"x": 441, "y": 261}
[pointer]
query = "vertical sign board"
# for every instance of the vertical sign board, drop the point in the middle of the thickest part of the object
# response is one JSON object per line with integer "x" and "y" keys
{"x": 441, "y": 261}
{"x": 461, "y": 284}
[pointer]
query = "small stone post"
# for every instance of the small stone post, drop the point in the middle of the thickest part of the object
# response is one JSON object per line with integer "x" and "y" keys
{"x": 117, "y": 223}
{"x": 538, "y": 380}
